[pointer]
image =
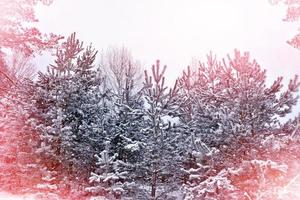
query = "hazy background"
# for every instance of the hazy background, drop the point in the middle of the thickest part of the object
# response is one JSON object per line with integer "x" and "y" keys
{"x": 177, "y": 31}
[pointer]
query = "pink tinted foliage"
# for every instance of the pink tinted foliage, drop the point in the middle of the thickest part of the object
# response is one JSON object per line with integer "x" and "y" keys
{"x": 293, "y": 15}
{"x": 295, "y": 41}
{"x": 16, "y": 30}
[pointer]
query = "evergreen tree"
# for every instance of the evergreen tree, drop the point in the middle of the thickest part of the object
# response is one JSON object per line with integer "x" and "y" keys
{"x": 108, "y": 178}
{"x": 230, "y": 112}
{"x": 21, "y": 167}
{"x": 161, "y": 159}
{"x": 123, "y": 76}
{"x": 71, "y": 114}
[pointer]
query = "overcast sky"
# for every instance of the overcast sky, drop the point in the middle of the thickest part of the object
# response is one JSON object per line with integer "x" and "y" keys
{"x": 175, "y": 31}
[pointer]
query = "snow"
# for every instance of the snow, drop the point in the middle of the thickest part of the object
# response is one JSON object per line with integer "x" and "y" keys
{"x": 7, "y": 196}
{"x": 291, "y": 190}
{"x": 133, "y": 147}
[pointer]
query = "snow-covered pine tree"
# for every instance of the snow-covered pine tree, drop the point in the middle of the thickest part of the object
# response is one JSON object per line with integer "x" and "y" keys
{"x": 124, "y": 78}
{"x": 161, "y": 159}
{"x": 108, "y": 179}
{"x": 234, "y": 110}
{"x": 21, "y": 168}
{"x": 200, "y": 89}
{"x": 71, "y": 113}
{"x": 231, "y": 100}
{"x": 255, "y": 109}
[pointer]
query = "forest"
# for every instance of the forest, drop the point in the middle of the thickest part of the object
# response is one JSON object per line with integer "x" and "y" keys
{"x": 114, "y": 129}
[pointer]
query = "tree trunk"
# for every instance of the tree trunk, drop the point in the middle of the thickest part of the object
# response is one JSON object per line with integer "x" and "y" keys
{"x": 153, "y": 184}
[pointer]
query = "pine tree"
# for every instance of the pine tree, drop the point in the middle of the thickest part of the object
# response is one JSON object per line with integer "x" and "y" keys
{"x": 21, "y": 167}
{"x": 108, "y": 178}
{"x": 231, "y": 111}
{"x": 161, "y": 159}
{"x": 123, "y": 77}
{"x": 71, "y": 114}
{"x": 230, "y": 101}
{"x": 123, "y": 74}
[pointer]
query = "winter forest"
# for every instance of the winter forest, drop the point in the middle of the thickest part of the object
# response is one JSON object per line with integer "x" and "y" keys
{"x": 101, "y": 126}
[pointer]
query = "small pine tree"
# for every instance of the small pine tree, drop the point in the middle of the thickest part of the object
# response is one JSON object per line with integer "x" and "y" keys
{"x": 161, "y": 159}
{"x": 108, "y": 179}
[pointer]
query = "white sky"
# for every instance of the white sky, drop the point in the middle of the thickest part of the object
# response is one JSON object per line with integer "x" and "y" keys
{"x": 175, "y": 31}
